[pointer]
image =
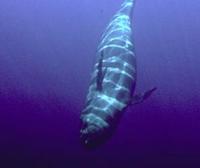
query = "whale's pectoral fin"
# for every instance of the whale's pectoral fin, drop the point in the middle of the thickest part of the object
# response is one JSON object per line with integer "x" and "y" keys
{"x": 100, "y": 73}
{"x": 139, "y": 98}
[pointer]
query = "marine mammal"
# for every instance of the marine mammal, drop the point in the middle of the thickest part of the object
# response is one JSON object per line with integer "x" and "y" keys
{"x": 113, "y": 80}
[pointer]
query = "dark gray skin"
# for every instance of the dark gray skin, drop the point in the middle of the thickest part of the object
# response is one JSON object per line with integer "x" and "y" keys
{"x": 113, "y": 80}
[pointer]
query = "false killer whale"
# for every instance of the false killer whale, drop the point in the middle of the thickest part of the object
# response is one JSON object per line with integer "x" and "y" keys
{"x": 113, "y": 80}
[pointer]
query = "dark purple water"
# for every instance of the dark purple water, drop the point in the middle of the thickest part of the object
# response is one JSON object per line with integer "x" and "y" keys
{"x": 47, "y": 51}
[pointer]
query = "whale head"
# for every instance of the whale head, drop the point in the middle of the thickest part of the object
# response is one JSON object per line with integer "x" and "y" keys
{"x": 93, "y": 131}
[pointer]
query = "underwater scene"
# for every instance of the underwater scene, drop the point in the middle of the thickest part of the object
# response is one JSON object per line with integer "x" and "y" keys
{"x": 99, "y": 84}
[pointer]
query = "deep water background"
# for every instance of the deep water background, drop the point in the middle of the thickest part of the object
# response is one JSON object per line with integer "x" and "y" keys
{"x": 47, "y": 52}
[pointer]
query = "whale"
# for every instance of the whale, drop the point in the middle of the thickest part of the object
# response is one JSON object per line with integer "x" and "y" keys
{"x": 113, "y": 81}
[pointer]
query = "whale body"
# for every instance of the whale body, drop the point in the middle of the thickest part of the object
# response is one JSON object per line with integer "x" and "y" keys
{"x": 113, "y": 80}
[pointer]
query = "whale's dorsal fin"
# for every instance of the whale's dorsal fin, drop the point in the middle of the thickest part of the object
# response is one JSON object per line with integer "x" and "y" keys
{"x": 139, "y": 98}
{"x": 100, "y": 73}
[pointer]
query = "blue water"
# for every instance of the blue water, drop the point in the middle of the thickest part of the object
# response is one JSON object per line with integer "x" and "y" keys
{"x": 47, "y": 52}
